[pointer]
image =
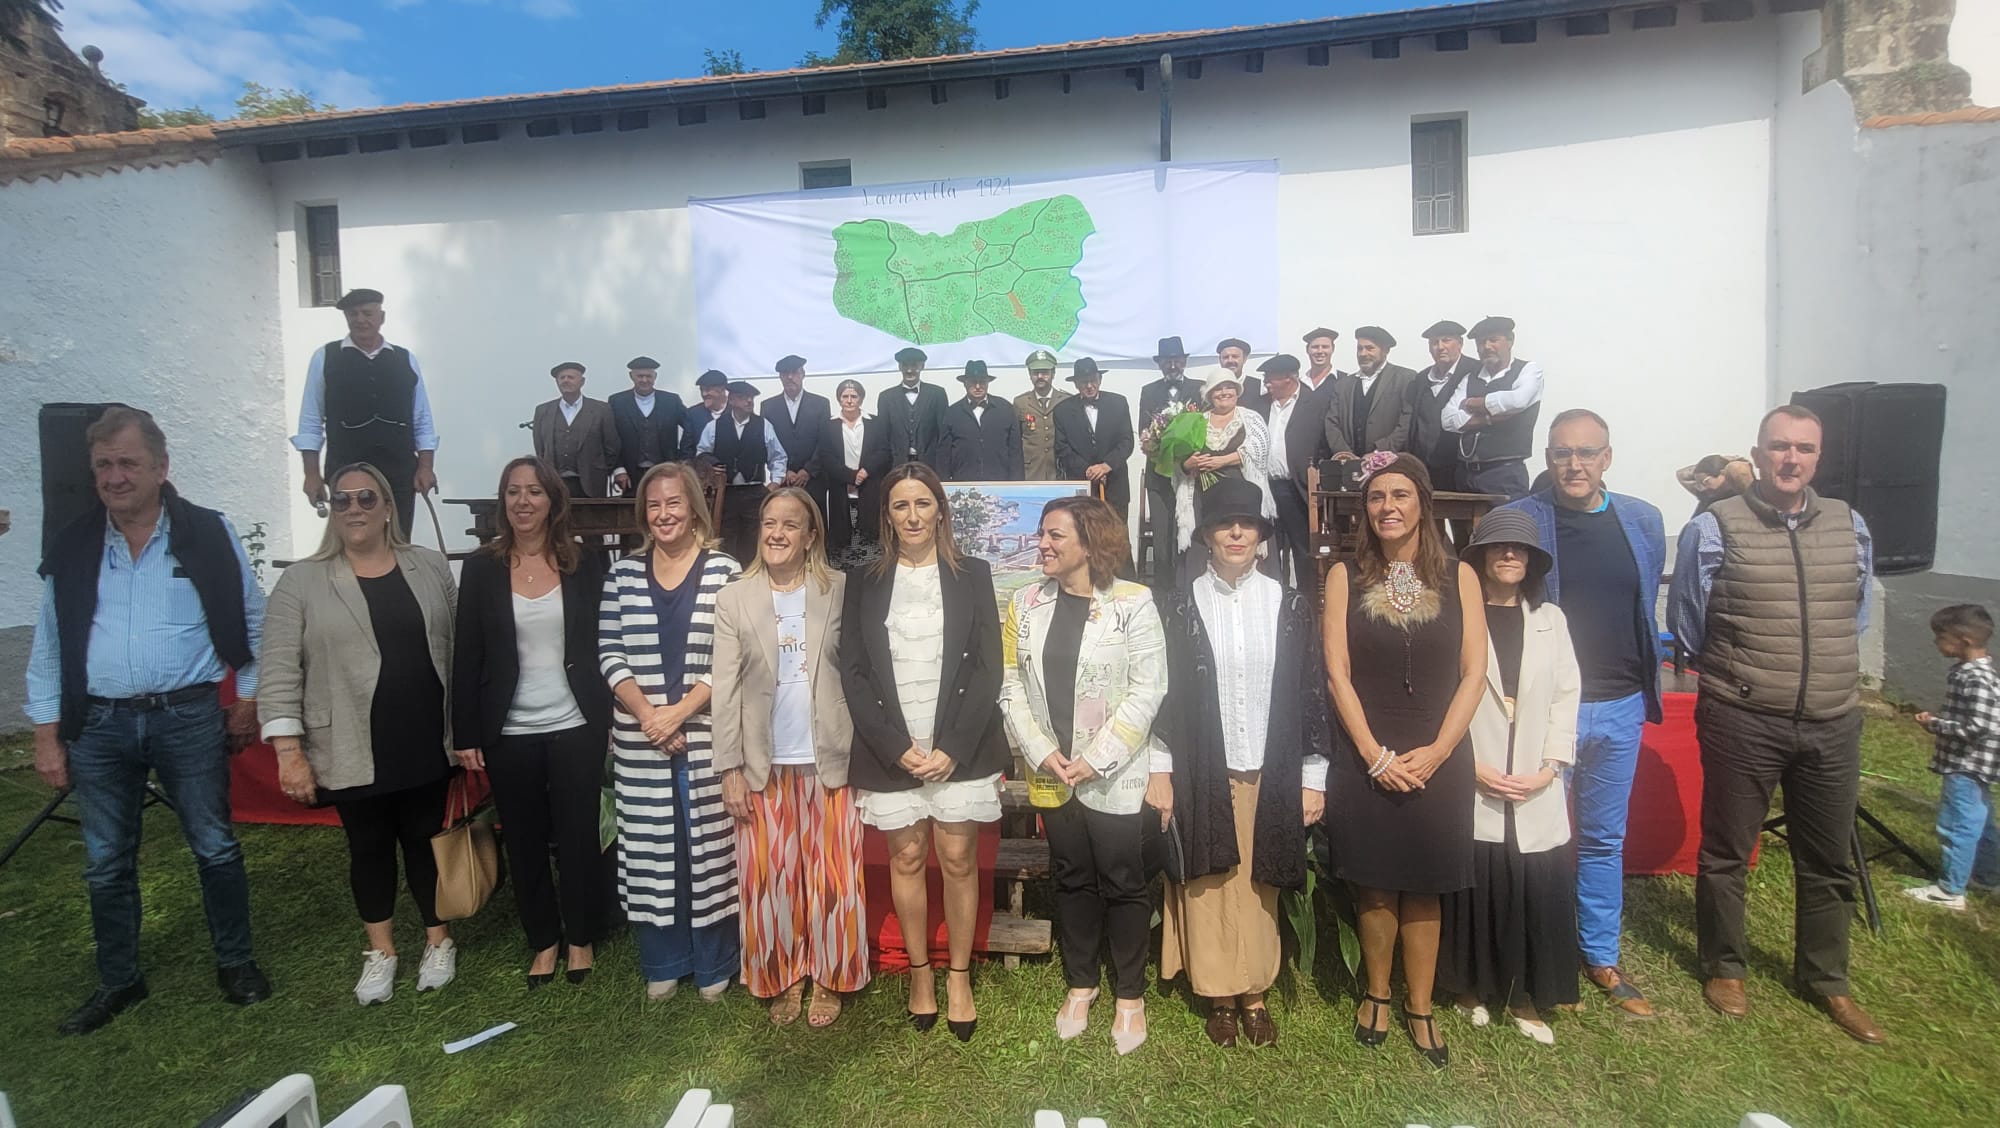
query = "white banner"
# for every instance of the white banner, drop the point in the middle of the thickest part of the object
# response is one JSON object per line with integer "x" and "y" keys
{"x": 1099, "y": 264}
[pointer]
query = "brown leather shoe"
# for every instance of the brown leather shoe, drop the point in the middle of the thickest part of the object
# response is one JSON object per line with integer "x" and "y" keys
{"x": 1848, "y": 1015}
{"x": 1258, "y": 1027}
{"x": 1624, "y": 994}
{"x": 1726, "y": 997}
{"x": 1222, "y": 1026}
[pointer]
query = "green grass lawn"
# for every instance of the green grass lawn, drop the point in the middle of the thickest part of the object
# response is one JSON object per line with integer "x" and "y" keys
{"x": 599, "y": 1055}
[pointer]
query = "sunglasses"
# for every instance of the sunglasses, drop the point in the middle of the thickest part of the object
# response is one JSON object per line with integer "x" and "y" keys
{"x": 1561, "y": 455}
{"x": 366, "y": 499}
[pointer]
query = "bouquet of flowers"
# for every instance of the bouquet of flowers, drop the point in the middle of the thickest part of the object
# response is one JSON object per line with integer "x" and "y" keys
{"x": 1175, "y": 433}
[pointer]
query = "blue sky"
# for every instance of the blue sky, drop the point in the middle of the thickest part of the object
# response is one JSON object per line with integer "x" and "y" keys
{"x": 385, "y": 52}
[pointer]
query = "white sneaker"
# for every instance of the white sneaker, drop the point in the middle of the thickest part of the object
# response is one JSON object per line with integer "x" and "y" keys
{"x": 659, "y": 991}
{"x": 1933, "y": 895}
{"x": 378, "y": 978}
{"x": 713, "y": 992}
{"x": 440, "y": 966}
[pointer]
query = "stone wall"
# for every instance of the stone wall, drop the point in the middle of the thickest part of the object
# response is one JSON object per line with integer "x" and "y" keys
{"x": 1893, "y": 55}
{"x": 45, "y": 71}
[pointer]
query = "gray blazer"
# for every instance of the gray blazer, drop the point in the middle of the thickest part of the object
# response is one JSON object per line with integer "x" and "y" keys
{"x": 1389, "y": 410}
{"x": 746, "y": 679}
{"x": 591, "y": 442}
{"x": 318, "y": 667}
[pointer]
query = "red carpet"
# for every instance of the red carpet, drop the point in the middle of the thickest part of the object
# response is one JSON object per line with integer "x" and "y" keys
{"x": 886, "y": 936}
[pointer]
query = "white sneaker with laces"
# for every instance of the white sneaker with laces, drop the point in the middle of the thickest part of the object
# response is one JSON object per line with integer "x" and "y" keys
{"x": 378, "y": 978}
{"x": 1932, "y": 894}
{"x": 440, "y": 966}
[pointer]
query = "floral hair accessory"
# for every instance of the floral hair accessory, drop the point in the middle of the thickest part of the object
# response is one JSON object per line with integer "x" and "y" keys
{"x": 1376, "y": 461}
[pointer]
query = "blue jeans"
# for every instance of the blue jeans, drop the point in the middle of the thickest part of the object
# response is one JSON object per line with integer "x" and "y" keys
{"x": 108, "y": 766}
{"x": 680, "y": 950}
{"x": 1607, "y": 753}
{"x": 1965, "y": 829}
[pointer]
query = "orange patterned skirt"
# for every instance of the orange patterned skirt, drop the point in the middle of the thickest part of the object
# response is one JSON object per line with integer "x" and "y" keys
{"x": 804, "y": 911}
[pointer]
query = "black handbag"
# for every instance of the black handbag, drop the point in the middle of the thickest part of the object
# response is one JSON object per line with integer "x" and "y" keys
{"x": 1163, "y": 851}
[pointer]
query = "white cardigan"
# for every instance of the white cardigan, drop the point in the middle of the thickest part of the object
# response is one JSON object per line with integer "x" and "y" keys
{"x": 1121, "y": 679}
{"x": 1545, "y": 707}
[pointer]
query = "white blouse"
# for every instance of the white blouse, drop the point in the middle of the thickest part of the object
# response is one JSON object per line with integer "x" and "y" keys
{"x": 542, "y": 698}
{"x": 916, "y": 647}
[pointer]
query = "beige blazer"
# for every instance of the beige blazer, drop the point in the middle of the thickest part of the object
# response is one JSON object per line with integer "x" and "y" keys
{"x": 317, "y": 671}
{"x": 746, "y": 679}
{"x": 1546, "y": 700}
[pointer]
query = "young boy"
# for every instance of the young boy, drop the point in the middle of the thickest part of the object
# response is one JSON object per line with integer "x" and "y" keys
{"x": 1967, "y": 728}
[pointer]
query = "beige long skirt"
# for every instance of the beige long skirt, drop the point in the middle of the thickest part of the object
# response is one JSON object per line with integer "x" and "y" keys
{"x": 1223, "y": 929}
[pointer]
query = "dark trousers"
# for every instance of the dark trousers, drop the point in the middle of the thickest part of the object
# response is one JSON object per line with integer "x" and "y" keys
{"x": 1743, "y": 756}
{"x": 1160, "y": 519}
{"x": 1294, "y": 541}
{"x": 375, "y": 826}
{"x": 108, "y": 766}
{"x": 1100, "y": 885}
{"x": 742, "y": 518}
{"x": 1509, "y": 478}
{"x": 546, "y": 787}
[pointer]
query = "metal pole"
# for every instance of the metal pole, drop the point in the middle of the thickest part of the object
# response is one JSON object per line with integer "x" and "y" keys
{"x": 1166, "y": 108}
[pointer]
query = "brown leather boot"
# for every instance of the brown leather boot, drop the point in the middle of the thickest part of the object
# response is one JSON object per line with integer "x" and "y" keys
{"x": 1725, "y": 996}
{"x": 1848, "y": 1015}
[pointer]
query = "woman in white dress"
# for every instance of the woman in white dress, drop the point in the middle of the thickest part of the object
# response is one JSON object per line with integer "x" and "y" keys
{"x": 920, "y": 661}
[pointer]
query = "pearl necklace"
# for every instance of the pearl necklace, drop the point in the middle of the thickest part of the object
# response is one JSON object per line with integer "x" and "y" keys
{"x": 1403, "y": 585}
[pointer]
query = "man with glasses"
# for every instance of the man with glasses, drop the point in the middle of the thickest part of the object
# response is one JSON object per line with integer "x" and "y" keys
{"x": 1609, "y": 550}
{"x": 365, "y": 402}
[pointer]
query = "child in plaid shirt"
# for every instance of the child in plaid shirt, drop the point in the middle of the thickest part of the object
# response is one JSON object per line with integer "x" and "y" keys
{"x": 1967, "y": 728}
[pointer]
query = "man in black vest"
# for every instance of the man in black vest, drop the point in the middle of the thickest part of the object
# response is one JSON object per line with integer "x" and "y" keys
{"x": 796, "y": 418}
{"x": 365, "y": 402}
{"x": 914, "y": 412}
{"x": 1094, "y": 437}
{"x": 982, "y": 435}
{"x": 147, "y": 605}
{"x": 1370, "y": 407}
{"x": 577, "y": 437}
{"x": 1171, "y": 392}
{"x": 747, "y": 463}
{"x": 1433, "y": 389}
{"x": 1494, "y": 412}
{"x": 713, "y": 387}
{"x": 648, "y": 422}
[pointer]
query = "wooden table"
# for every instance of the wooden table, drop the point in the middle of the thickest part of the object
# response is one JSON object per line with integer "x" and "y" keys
{"x": 1335, "y": 518}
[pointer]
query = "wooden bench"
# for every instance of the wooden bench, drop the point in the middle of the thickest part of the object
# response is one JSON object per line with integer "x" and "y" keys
{"x": 1022, "y": 857}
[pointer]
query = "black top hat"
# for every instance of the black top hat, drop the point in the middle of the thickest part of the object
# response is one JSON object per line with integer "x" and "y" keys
{"x": 1170, "y": 346}
{"x": 354, "y": 298}
{"x": 1508, "y": 526}
{"x": 1085, "y": 368}
{"x": 1230, "y": 499}
{"x": 975, "y": 373}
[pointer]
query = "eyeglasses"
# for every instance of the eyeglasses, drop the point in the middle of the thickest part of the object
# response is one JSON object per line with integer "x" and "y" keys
{"x": 366, "y": 499}
{"x": 1560, "y": 455}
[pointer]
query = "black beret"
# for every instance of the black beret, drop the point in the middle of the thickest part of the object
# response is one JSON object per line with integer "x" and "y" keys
{"x": 711, "y": 379}
{"x": 1085, "y": 368}
{"x": 1445, "y": 328}
{"x": 565, "y": 366}
{"x": 642, "y": 362}
{"x": 1233, "y": 342}
{"x": 354, "y": 298}
{"x": 1492, "y": 326}
{"x": 742, "y": 388}
{"x": 791, "y": 362}
{"x": 1376, "y": 334}
{"x": 975, "y": 372}
{"x": 910, "y": 356}
{"x": 1322, "y": 331}
{"x": 1283, "y": 362}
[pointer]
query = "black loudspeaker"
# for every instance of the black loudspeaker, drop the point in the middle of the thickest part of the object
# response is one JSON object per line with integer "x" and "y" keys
{"x": 68, "y": 487}
{"x": 1880, "y": 454}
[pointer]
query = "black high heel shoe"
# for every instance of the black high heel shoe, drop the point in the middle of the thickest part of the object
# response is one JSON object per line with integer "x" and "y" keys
{"x": 923, "y": 1021}
{"x": 541, "y": 979}
{"x": 576, "y": 975}
{"x": 1368, "y": 1035}
{"x": 1439, "y": 1055}
{"x": 962, "y": 1030}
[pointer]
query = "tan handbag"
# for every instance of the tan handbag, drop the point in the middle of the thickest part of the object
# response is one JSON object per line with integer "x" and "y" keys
{"x": 468, "y": 858}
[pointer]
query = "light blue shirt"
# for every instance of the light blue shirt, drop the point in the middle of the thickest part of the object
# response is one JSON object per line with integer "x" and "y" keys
{"x": 1698, "y": 557}
{"x": 774, "y": 451}
{"x": 149, "y": 634}
{"x": 312, "y": 409}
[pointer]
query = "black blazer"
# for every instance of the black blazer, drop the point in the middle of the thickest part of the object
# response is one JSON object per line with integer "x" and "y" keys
{"x": 830, "y": 466}
{"x": 1078, "y": 448}
{"x": 801, "y": 439}
{"x": 920, "y": 426}
{"x": 1305, "y": 431}
{"x": 969, "y": 726}
{"x": 485, "y": 665}
{"x": 1428, "y": 438}
{"x": 984, "y": 449}
{"x": 667, "y": 408}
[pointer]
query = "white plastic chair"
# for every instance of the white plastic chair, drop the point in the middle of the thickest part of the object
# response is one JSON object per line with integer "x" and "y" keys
{"x": 291, "y": 1100}
{"x": 388, "y": 1106}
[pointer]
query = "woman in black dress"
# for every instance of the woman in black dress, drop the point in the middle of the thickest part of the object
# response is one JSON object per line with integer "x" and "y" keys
{"x": 1405, "y": 636}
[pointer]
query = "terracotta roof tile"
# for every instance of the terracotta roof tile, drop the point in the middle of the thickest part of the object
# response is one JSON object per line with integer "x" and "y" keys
{"x": 33, "y": 158}
{"x": 1943, "y": 117}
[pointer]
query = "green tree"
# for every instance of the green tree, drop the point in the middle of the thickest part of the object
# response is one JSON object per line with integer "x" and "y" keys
{"x": 715, "y": 62}
{"x": 13, "y": 13}
{"x": 150, "y": 118}
{"x": 260, "y": 101}
{"x": 872, "y": 31}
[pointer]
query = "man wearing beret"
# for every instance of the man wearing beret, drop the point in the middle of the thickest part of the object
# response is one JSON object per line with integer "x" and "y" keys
{"x": 577, "y": 437}
{"x": 713, "y": 387}
{"x": 982, "y": 438}
{"x": 365, "y": 402}
{"x": 1298, "y": 437}
{"x": 796, "y": 418}
{"x": 649, "y": 422}
{"x": 914, "y": 411}
{"x": 1035, "y": 408}
{"x": 1438, "y": 384}
{"x": 1319, "y": 359}
{"x": 1172, "y": 390}
{"x": 1370, "y": 408}
{"x": 1231, "y": 353}
{"x": 1494, "y": 412}
{"x": 1094, "y": 437}
{"x": 745, "y": 458}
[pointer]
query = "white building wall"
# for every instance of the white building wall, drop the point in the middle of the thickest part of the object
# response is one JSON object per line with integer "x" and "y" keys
{"x": 153, "y": 288}
{"x": 1620, "y": 203}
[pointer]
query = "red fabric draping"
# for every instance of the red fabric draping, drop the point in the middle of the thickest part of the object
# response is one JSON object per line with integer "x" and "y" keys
{"x": 886, "y": 936}
{"x": 1663, "y": 829}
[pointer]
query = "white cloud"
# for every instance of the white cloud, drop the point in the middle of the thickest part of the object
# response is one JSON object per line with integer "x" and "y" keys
{"x": 187, "y": 52}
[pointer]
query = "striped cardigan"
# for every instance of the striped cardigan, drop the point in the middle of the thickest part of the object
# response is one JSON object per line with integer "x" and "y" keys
{"x": 651, "y": 831}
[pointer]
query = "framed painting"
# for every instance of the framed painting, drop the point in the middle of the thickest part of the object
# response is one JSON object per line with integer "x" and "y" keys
{"x": 1000, "y": 523}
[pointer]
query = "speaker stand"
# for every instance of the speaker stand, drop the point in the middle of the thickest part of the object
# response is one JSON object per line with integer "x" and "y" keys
{"x": 50, "y": 812}
{"x": 1896, "y": 845}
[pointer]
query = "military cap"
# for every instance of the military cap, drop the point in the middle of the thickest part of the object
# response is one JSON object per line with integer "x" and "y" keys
{"x": 1041, "y": 360}
{"x": 791, "y": 362}
{"x": 1492, "y": 326}
{"x": 354, "y": 298}
{"x": 911, "y": 356}
{"x": 566, "y": 366}
{"x": 712, "y": 378}
{"x": 1376, "y": 334}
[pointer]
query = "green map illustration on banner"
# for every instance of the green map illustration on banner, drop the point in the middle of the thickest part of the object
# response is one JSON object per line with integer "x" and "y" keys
{"x": 1008, "y": 274}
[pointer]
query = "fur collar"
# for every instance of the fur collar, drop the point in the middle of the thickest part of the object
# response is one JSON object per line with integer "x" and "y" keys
{"x": 1375, "y": 604}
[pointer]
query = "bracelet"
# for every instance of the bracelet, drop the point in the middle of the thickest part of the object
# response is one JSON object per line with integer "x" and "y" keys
{"x": 1381, "y": 763}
